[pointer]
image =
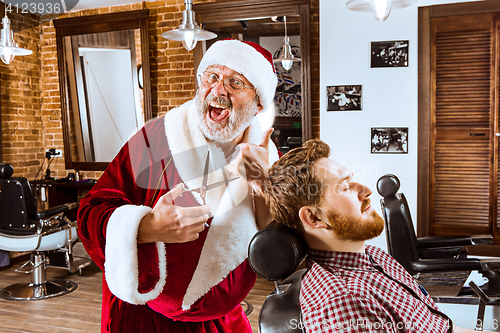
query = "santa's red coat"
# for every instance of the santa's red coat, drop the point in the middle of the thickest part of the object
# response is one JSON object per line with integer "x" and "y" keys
{"x": 172, "y": 285}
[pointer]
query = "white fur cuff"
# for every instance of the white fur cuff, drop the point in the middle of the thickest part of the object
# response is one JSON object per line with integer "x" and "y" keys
{"x": 121, "y": 266}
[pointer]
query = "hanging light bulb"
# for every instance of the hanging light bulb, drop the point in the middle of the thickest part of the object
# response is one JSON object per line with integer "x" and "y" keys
{"x": 381, "y": 9}
{"x": 189, "y": 32}
{"x": 8, "y": 47}
{"x": 286, "y": 57}
{"x": 189, "y": 42}
{"x": 7, "y": 55}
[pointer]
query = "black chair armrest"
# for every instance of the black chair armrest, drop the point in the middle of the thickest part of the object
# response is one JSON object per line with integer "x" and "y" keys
{"x": 281, "y": 313}
{"x": 438, "y": 265}
{"x": 481, "y": 239}
{"x": 55, "y": 210}
{"x": 448, "y": 241}
{"x": 451, "y": 252}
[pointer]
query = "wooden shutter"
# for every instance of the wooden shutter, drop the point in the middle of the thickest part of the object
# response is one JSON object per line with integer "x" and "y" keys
{"x": 495, "y": 143}
{"x": 463, "y": 104}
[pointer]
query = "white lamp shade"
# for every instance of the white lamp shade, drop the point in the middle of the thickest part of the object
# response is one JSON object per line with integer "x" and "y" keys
{"x": 178, "y": 34}
{"x": 7, "y": 53}
{"x": 286, "y": 57}
{"x": 188, "y": 32}
{"x": 8, "y": 47}
{"x": 379, "y": 8}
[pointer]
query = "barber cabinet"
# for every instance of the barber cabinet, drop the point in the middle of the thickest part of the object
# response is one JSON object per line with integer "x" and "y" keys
{"x": 287, "y": 133}
{"x": 53, "y": 193}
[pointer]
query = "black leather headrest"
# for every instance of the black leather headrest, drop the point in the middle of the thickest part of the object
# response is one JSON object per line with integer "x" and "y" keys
{"x": 6, "y": 170}
{"x": 276, "y": 251}
{"x": 388, "y": 185}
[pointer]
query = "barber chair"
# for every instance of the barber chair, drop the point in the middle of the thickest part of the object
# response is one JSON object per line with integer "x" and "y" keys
{"x": 428, "y": 254}
{"x": 275, "y": 253}
{"x": 435, "y": 253}
{"x": 424, "y": 254}
{"x": 24, "y": 229}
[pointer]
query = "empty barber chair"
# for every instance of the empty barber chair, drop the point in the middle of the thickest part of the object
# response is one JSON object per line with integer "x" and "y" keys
{"x": 23, "y": 229}
{"x": 275, "y": 253}
{"x": 436, "y": 253}
{"x": 427, "y": 254}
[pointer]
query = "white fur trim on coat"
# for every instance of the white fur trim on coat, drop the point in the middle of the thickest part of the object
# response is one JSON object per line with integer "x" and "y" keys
{"x": 121, "y": 266}
{"x": 233, "y": 225}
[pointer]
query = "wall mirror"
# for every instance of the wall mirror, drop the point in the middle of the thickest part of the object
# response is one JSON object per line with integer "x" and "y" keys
{"x": 103, "y": 98}
{"x": 262, "y": 21}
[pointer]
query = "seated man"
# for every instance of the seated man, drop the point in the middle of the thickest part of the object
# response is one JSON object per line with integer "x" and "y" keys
{"x": 350, "y": 286}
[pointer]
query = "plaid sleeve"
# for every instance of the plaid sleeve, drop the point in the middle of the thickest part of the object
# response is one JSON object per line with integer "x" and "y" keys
{"x": 347, "y": 313}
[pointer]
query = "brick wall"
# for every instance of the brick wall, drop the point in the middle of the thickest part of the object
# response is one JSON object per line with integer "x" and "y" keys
{"x": 31, "y": 110}
{"x": 22, "y": 129}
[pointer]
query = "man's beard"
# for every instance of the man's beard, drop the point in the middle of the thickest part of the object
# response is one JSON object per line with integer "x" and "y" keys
{"x": 354, "y": 228}
{"x": 237, "y": 121}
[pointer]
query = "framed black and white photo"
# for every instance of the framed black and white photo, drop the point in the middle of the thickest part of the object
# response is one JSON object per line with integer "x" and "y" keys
{"x": 344, "y": 98}
{"x": 390, "y": 54}
{"x": 389, "y": 140}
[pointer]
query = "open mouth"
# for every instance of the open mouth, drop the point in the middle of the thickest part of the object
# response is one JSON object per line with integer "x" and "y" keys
{"x": 217, "y": 113}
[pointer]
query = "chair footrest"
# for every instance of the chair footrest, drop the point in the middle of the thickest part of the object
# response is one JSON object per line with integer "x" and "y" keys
{"x": 30, "y": 292}
{"x": 77, "y": 264}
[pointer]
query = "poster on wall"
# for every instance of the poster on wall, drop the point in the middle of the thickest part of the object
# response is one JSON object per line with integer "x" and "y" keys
{"x": 389, "y": 140}
{"x": 288, "y": 97}
{"x": 390, "y": 54}
{"x": 344, "y": 98}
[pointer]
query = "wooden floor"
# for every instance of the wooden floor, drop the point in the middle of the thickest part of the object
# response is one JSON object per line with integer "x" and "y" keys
{"x": 80, "y": 310}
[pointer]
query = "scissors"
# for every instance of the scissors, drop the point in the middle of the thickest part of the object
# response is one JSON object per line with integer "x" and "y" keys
{"x": 202, "y": 190}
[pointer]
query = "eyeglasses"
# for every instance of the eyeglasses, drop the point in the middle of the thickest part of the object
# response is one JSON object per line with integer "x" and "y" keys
{"x": 231, "y": 84}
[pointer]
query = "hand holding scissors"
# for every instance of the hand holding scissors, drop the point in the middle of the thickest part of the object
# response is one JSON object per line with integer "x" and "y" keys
{"x": 169, "y": 223}
{"x": 202, "y": 190}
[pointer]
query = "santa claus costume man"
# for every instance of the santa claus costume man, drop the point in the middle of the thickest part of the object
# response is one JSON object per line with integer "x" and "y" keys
{"x": 175, "y": 260}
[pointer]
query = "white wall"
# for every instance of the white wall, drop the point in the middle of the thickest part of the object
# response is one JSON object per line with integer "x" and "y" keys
{"x": 389, "y": 97}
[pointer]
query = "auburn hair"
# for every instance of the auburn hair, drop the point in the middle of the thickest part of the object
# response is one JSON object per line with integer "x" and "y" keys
{"x": 291, "y": 183}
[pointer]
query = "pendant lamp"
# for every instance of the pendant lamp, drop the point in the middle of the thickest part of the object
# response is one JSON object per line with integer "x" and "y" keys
{"x": 8, "y": 47}
{"x": 189, "y": 32}
{"x": 286, "y": 57}
{"x": 380, "y": 9}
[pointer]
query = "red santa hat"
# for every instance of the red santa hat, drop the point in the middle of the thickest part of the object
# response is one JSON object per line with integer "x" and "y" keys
{"x": 247, "y": 58}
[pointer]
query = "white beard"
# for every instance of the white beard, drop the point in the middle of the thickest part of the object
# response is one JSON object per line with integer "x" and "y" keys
{"x": 237, "y": 121}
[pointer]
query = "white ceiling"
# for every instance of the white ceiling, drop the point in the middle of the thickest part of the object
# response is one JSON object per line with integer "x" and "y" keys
{"x": 88, "y": 4}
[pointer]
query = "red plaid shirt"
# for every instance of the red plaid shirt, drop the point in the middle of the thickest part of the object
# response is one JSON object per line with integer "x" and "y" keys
{"x": 365, "y": 292}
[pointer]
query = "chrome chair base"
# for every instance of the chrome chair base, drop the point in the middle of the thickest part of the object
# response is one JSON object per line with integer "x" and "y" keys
{"x": 30, "y": 292}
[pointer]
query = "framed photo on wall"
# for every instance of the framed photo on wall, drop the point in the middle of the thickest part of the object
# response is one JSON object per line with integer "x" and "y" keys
{"x": 344, "y": 98}
{"x": 389, "y": 140}
{"x": 389, "y": 54}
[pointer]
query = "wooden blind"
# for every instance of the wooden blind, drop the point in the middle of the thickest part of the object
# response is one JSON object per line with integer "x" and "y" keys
{"x": 462, "y": 51}
{"x": 461, "y": 183}
{"x": 463, "y": 56}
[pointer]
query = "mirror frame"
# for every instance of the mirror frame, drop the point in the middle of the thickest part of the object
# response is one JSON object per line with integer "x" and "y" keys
{"x": 137, "y": 19}
{"x": 247, "y": 10}
{"x": 1, "y": 142}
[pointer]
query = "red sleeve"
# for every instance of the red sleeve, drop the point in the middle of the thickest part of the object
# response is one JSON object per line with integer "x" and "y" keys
{"x": 125, "y": 182}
